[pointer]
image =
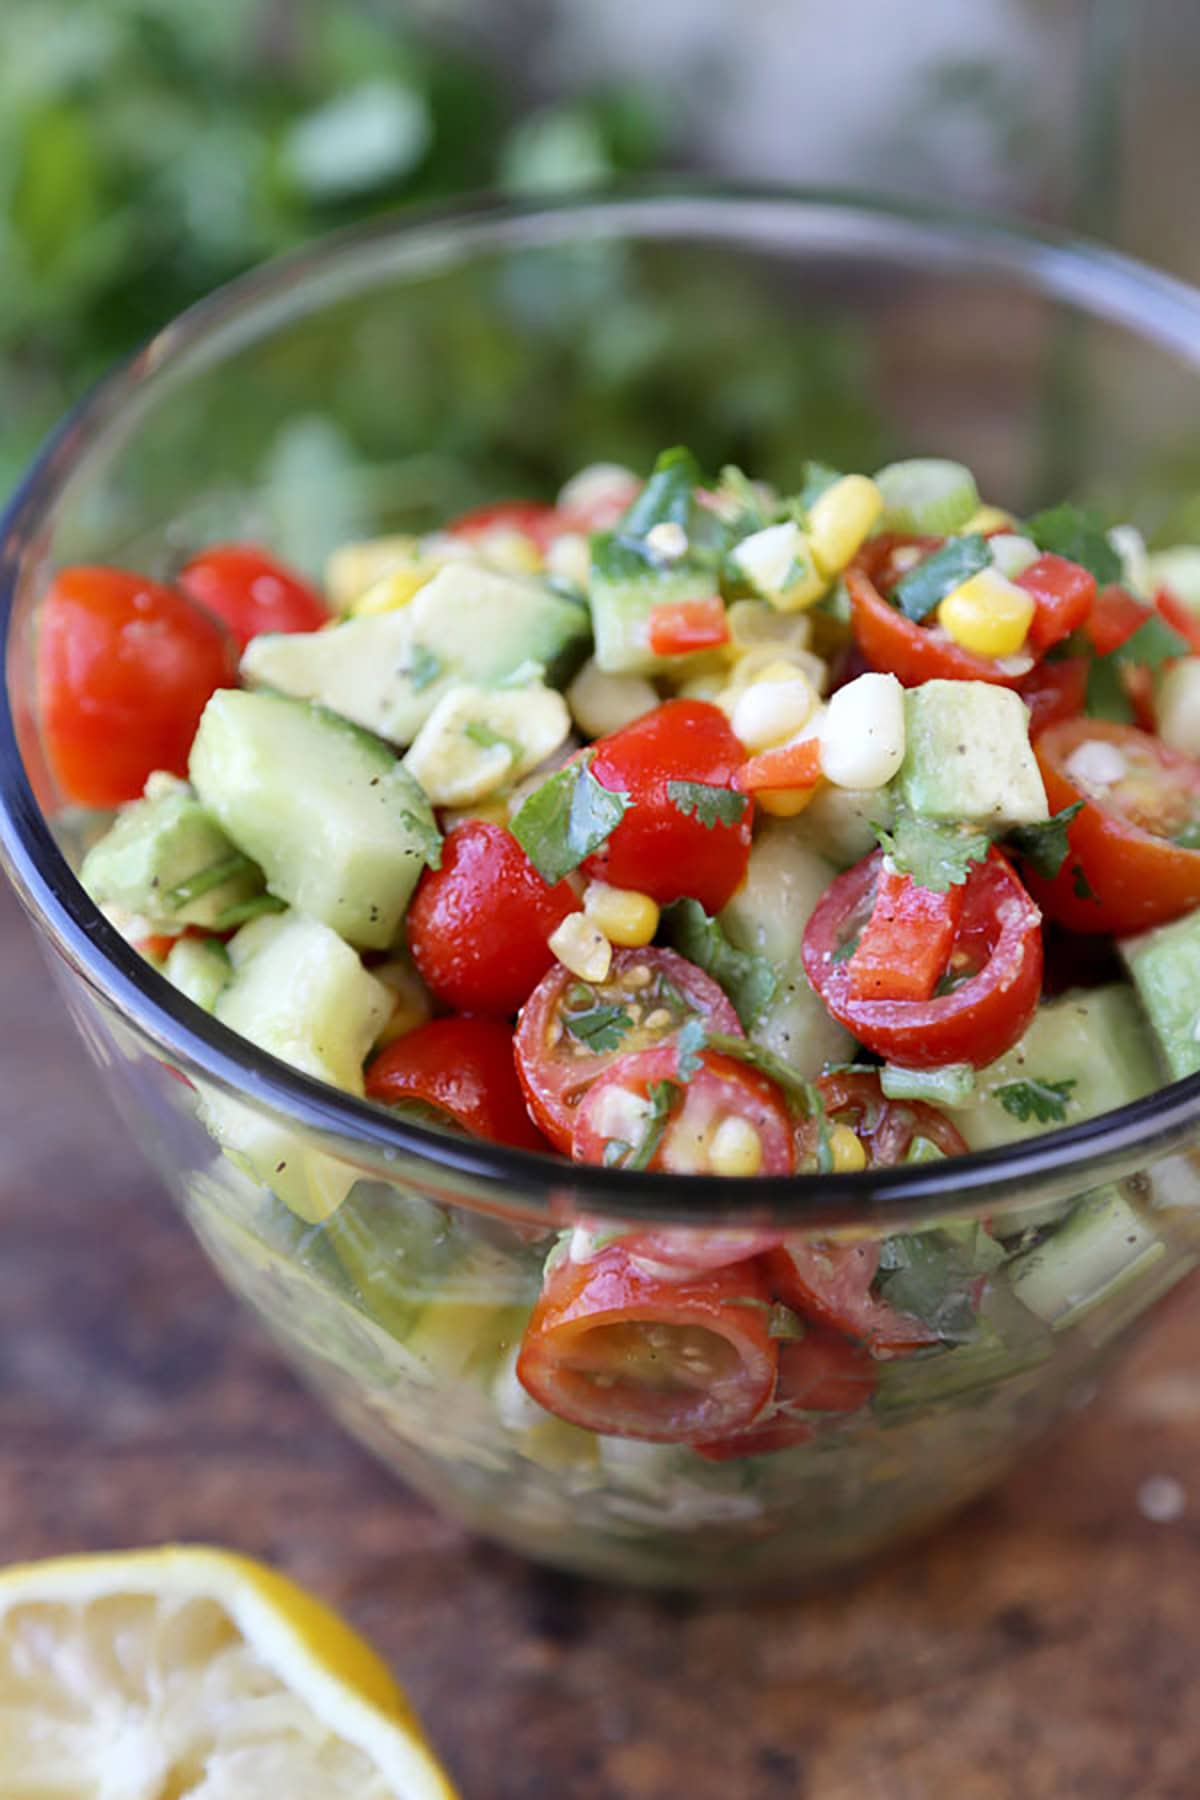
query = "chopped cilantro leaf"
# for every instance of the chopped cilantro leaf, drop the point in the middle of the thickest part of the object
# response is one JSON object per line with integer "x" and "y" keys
{"x": 1107, "y": 696}
{"x": 600, "y": 1027}
{"x": 818, "y": 477}
{"x": 423, "y": 667}
{"x": 1081, "y": 884}
{"x": 937, "y": 856}
{"x": 1045, "y": 1101}
{"x": 663, "y": 1097}
{"x": 1078, "y": 535}
{"x": 487, "y": 739}
{"x": 1045, "y": 847}
{"x": 1189, "y": 837}
{"x": 205, "y": 880}
{"x": 934, "y": 1275}
{"x": 248, "y": 909}
{"x": 784, "y": 1324}
{"x": 939, "y": 574}
{"x": 667, "y": 497}
{"x": 707, "y": 804}
{"x": 804, "y": 1095}
{"x": 692, "y": 1037}
{"x": 565, "y": 819}
{"x": 1152, "y": 644}
{"x": 747, "y": 978}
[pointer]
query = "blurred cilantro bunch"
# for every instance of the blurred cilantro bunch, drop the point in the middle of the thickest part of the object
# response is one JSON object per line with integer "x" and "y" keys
{"x": 151, "y": 149}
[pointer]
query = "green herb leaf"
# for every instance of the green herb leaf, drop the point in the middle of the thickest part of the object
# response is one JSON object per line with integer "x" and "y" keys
{"x": 487, "y": 739}
{"x": 1045, "y": 1101}
{"x": 818, "y": 477}
{"x": 784, "y": 1324}
{"x": 601, "y": 1027}
{"x": 934, "y": 1275}
{"x": 804, "y": 1095}
{"x": 205, "y": 880}
{"x": 246, "y": 910}
{"x": 939, "y": 574}
{"x": 1078, "y": 535}
{"x": 565, "y": 819}
{"x": 663, "y": 1097}
{"x": 937, "y": 856}
{"x": 746, "y": 977}
{"x": 423, "y": 667}
{"x": 1045, "y": 847}
{"x": 1081, "y": 884}
{"x": 429, "y": 838}
{"x": 1152, "y": 644}
{"x": 689, "y": 1042}
{"x": 1107, "y": 695}
{"x": 667, "y": 497}
{"x": 709, "y": 805}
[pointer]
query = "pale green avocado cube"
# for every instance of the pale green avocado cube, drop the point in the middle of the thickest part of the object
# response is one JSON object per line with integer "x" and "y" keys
{"x": 1165, "y": 966}
{"x": 159, "y": 848}
{"x": 968, "y": 756}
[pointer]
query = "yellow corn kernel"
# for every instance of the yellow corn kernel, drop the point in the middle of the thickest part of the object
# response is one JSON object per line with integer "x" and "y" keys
{"x": 989, "y": 518}
{"x": 509, "y": 550}
{"x": 846, "y": 1151}
{"x": 622, "y": 914}
{"x": 581, "y": 946}
{"x": 987, "y": 614}
{"x": 785, "y": 803}
{"x": 353, "y": 568}
{"x": 393, "y": 590}
{"x": 736, "y": 1148}
{"x": 840, "y": 520}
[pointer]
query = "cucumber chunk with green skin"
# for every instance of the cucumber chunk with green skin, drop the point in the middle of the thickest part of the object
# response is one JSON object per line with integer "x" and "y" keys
{"x": 388, "y": 672}
{"x": 766, "y": 917}
{"x": 199, "y": 968}
{"x": 839, "y": 823}
{"x": 968, "y": 756}
{"x": 1165, "y": 966}
{"x": 167, "y": 859}
{"x": 1102, "y": 1250}
{"x": 625, "y": 588}
{"x": 339, "y": 826}
{"x": 1085, "y": 1052}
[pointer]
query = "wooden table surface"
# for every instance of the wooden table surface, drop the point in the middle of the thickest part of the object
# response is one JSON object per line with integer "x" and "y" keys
{"x": 1045, "y": 1646}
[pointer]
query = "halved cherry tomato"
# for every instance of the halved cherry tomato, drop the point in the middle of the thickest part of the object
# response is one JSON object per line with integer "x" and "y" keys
{"x": 789, "y": 766}
{"x": 678, "y": 765}
{"x": 683, "y": 1250}
{"x": 995, "y": 966}
{"x": 251, "y": 591}
{"x": 464, "y": 1067}
{"x": 906, "y": 943}
{"x": 1126, "y": 869}
{"x": 125, "y": 667}
{"x": 831, "y": 1282}
{"x": 822, "y": 1373}
{"x": 655, "y": 992}
{"x": 1063, "y": 594}
{"x": 1179, "y": 617}
{"x": 533, "y": 519}
{"x": 609, "y": 1129}
{"x": 886, "y": 1128}
{"x": 680, "y": 626}
{"x": 1114, "y": 617}
{"x": 912, "y": 653}
{"x": 627, "y": 1354}
{"x": 478, "y": 926}
{"x": 1054, "y": 691}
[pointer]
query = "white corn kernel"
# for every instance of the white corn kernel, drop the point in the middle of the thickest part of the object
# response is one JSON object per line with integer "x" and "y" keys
{"x": 601, "y": 703}
{"x": 736, "y": 1148}
{"x": 599, "y": 485}
{"x": 1178, "y": 706}
{"x": 1012, "y": 553}
{"x": 1096, "y": 764}
{"x": 569, "y": 559}
{"x": 840, "y": 520}
{"x": 581, "y": 946}
{"x": 1130, "y": 546}
{"x": 770, "y": 711}
{"x": 863, "y": 733}
{"x": 667, "y": 540}
{"x": 624, "y": 915}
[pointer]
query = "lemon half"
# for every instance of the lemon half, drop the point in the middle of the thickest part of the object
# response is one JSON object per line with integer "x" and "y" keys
{"x": 193, "y": 1674}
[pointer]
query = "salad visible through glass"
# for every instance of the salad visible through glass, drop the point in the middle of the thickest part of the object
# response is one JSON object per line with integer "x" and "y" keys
{"x": 679, "y": 825}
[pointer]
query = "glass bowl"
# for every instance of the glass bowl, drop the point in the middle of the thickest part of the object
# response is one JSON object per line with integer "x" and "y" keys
{"x": 389, "y": 377}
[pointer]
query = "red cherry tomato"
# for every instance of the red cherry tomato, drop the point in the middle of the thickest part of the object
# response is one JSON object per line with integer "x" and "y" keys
{"x": 906, "y": 943}
{"x": 912, "y": 653}
{"x": 1127, "y": 869}
{"x": 1054, "y": 691}
{"x": 251, "y": 592}
{"x": 996, "y": 963}
{"x": 534, "y": 519}
{"x": 478, "y": 926}
{"x": 464, "y": 1067}
{"x": 831, "y": 1282}
{"x": 680, "y": 626}
{"x": 671, "y": 842}
{"x": 556, "y": 1047}
{"x": 1179, "y": 617}
{"x": 720, "y": 1089}
{"x": 822, "y": 1373}
{"x": 692, "y": 1250}
{"x": 628, "y": 1354}
{"x": 1063, "y": 594}
{"x": 125, "y": 667}
{"x": 1114, "y": 617}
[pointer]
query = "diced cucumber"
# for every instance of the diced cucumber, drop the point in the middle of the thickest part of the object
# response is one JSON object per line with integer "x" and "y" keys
{"x": 199, "y": 968}
{"x": 839, "y": 823}
{"x": 388, "y": 672}
{"x": 625, "y": 587}
{"x": 1165, "y": 966}
{"x": 340, "y": 827}
{"x": 1009, "y": 1341}
{"x": 1103, "y": 1248}
{"x": 927, "y": 493}
{"x": 393, "y": 1249}
{"x": 1095, "y": 1039}
{"x": 167, "y": 859}
{"x": 951, "y": 1085}
{"x": 968, "y": 755}
{"x": 766, "y": 917}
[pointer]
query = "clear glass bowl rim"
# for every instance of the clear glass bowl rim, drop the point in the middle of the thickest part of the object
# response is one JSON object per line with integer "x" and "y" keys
{"x": 1108, "y": 285}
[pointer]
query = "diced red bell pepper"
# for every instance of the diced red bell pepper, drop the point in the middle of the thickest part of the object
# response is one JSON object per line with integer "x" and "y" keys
{"x": 791, "y": 766}
{"x": 906, "y": 943}
{"x": 1063, "y": 593}
{"x": 678, "y": 627}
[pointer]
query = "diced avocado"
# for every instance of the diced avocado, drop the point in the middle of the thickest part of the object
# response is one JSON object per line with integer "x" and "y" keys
{"x": 968, "y": 756}
{"x": 388, "y": 672}
{"x": 1102, "y": 1248}
{"x": 339, "y": 826}
{"x": 479, "y": 740}
{"x": 304, "y": 996}
{"x": 167, "y": 859}
{"x": 839, "y": 824}
{"x": 1165, "y": 966}
{"x": 766, "y": 917}
{"x": 625, "y": 586}
{"x": 1095, "y": 1039}
{"x": 199, "y": 968}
